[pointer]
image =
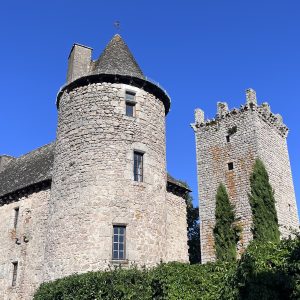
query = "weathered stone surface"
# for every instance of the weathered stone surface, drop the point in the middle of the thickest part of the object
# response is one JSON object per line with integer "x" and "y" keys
{"x": 93, "y": 186}
{"x": 24, "y": 244}
{"x": 239, "y": 137}
{"x": 176, "y": 229}
{"x": 68, "y": 227}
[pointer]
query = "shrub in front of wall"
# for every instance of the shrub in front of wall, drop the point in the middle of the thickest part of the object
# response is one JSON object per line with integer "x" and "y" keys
{"x": 269, "y": 271}
{"x": 262, "y": 202}
{"x": 266, "y": 271}
{"x": 167, "y": 281}
{"x": 116, "y": 284}
{"x": 226, "y": 233}
{"x": 182, "y": 281}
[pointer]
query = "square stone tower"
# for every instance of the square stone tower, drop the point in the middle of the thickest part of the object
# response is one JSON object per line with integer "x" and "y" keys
{"x": 226, "y": 148}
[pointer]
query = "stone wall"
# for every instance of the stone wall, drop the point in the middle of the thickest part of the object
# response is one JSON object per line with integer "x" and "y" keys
{"x": 213, "y": 155}
{"x": 176, "y": 229}
{"x": 240, "y": 136}
{"x": 272, "y": 149}
{"x": 93, "y": 186}
{"x": 28, "y": 251}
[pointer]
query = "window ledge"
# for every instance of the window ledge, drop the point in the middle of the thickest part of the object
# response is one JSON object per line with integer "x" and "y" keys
{"x": 129, "y": 117}
{"x": 139, "y": 183}
{"x": 119, "y": 261}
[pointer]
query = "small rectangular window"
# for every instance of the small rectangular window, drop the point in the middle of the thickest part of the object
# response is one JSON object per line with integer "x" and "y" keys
{"x": 15, "y": 272}
{"x": 230, "y": 166}
{"x": 130, "y": 103}
{"x": 16, "y": 217}
{"x": 130, "y": 109}
{"x": 119, "y": 242}
{"x": 138, "y": 166}
{"x": 227, "y": 138}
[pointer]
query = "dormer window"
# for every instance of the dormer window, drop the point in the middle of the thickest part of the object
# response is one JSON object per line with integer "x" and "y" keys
{"x": 130, "y": 103}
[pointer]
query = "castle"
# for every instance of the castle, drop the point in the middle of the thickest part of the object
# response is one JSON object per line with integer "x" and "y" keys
{"x": 100, "y": 195}
{"x": 226, "y": 148}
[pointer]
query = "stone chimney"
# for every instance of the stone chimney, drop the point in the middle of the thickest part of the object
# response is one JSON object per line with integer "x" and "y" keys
{"x": 79, "y": 62}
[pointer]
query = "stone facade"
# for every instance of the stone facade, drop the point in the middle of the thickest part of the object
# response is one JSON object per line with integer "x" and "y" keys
{"x": 239, "y": 137}
{"x": 176, "y": 246}
{"x": 24, "y": 243}
{"x": 93, "y": 171}
{"x": 72, "y": 192}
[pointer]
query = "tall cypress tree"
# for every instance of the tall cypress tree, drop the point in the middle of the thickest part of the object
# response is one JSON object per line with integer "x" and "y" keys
{"x": 225, "y": 232}
{"x": 265, "y": 222}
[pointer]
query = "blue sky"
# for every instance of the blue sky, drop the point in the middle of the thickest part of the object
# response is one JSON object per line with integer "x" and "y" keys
{"x": 200, "y": 51}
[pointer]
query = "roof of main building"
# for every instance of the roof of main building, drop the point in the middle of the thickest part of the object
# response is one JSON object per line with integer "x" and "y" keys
{"x": 29, "y": 169}
{"x": 36, "y": 166}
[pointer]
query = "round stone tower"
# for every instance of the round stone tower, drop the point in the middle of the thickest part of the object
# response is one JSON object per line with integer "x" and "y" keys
{"x": 108, "y": 194}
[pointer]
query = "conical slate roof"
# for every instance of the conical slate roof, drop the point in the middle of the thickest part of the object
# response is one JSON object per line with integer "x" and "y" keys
{"x": 117, "y": 59}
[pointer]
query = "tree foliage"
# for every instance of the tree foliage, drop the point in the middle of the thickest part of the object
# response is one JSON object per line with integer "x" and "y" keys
{"x": 193, "y": 231}
{"x": 268, "y": 270}
{"x": 226, "y": 233}
{"x": 193, "y": 228}
{"x": 265, "y": 222}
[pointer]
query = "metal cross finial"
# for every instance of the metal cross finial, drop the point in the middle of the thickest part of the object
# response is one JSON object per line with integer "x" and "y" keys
{"x": 117, "y": 25}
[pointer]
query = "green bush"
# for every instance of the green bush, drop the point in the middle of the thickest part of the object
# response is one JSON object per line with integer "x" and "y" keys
{"x": 115, "y": 284}
{"x": 167, "y": 281}
{"x": 266, "y": 271}
{"x": 269, "y": 271}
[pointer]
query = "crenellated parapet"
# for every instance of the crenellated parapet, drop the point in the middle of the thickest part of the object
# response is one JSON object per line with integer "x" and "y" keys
{"x": 223, "y": 112}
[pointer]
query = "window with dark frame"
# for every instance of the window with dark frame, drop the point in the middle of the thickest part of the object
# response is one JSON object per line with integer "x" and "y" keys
{"x": 15, "y": 273}
{"x": 16, "y": 217}
{"x": 130, "y": 107}
{"x": 119, "y": 242}
{"x": 130, "y": 103}
{"x": 230, "y": 166}
{"x": 138, "y": 166}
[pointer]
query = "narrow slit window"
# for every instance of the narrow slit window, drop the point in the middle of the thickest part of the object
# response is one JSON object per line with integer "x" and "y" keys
{"x": 16, "y": 217}
{"x": 119, "y": 242}
{"x": 230, "y": 166}
{"x": 138, "y": 166}
{"x": 227, "y": 138}
{"x": 15, "y": 273}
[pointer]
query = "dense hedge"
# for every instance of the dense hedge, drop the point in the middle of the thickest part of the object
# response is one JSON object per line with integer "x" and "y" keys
{"x": 269, "y": 271}
{"x": 167, "y": 281}
{"x": 265, "y": 271}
